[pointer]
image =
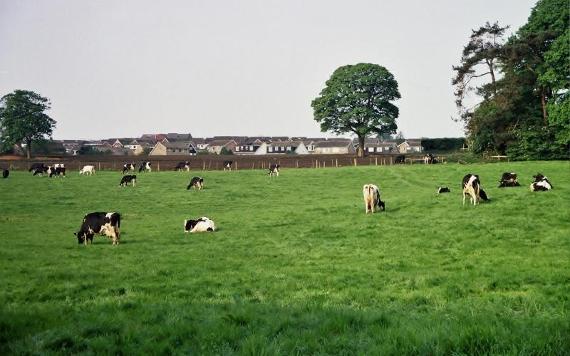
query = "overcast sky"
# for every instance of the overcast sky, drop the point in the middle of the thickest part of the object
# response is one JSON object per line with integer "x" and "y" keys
{"x": 124, "y": 68}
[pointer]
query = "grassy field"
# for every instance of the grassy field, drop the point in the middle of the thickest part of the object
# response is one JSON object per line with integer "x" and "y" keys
{"x": 295, "y": 268}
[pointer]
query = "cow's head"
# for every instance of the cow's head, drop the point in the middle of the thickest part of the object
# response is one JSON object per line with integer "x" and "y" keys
{"x": 81, "y": 236}
{"x": 189, "y": 225}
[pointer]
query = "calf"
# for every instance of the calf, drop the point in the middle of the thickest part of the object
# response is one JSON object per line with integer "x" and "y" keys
{"x": 56, "y": 170}
{"x": 196, "y": 182}
{"x": 36, "y": 166}
{"x": 274, "y": 170}
{"x": 128, "y": 179}
{"x": 472, "y": 188}
{"x": 228, "y": 165}
{"x": 87, "y": 170}
{"x": 145, "y": 167}
{"x": 372, "y": 198}
{"x": 99, "y": 223}
{"x": 5, "y": 173}
{"x": 540, "y": 183}
{"x": 128, "y": 167}
{"x": 508, "y": 180}
{"x": 182, "y": 165}
{"x": 202, "y": 224}
{"x": 443, "y": 190}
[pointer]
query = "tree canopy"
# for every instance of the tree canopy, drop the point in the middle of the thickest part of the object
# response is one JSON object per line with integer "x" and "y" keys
{"x": 23, "y": 119}
{"x": 525, "y": 112}
{"x": 358, "y": 99}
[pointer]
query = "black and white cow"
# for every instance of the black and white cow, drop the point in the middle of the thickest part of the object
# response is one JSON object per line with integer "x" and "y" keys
{"x": 40, "y": 170}
{"x": 128, "y": 167}
{"x": 541, "y": 183}
{"x": 274, "y": 170}
{"x": 182, "y": 166}
{"x": 401, "y": 159}
{"x": 36, "y": 166}
{"x": 372, "y": 200}
{"x": 145, "y": 167}
{"x": 103, "y": 223}
{"x": 196, "y": 182}
{"x": 228, "y": 165}
{"x": 202, "y": 224}
{"x": 472, "y": 187}
{"x": 430, "y": 159}
{"x": 443, "y": 190}
{"x": 128, "y": 179}
{"x": 509, "y": 180}
{"x": 56, "y": 170}
{"x": 5, "y": 173}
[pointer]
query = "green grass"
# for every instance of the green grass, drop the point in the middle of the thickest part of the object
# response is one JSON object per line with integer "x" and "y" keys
{"x": 295, "y": 268}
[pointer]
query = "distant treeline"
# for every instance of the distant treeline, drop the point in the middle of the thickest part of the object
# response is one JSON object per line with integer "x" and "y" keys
{"x": 443, "y": 144}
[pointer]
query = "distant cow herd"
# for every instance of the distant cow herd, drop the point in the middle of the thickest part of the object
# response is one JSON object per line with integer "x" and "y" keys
{"x": 109, "y": 223}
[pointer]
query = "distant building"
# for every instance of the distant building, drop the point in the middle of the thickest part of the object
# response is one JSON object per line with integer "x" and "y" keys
{"x": 334, "y": 146}
{"x": 216, "y": 146}
{"x": 182, "y": 148}
{"x": 410, "y": 146}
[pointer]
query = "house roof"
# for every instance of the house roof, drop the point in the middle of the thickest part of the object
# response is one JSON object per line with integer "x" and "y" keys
{"x": 178, "y": 144}
{"x": 173, "y": 136}
{"x": 333, "y": 143}
{"x": 221, "y": 142}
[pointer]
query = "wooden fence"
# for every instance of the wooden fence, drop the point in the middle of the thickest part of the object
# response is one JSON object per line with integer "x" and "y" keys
{"x": 211, "y": 162}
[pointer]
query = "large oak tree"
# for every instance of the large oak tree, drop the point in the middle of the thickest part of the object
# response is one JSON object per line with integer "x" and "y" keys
{"x": 358, "y": 99}
{"x": 23, "y": 119}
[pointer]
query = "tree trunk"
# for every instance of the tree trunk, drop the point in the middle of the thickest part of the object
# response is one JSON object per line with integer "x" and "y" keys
{"x": 29, "y": 148}
{"x": 360, "y": 152}
{"x": 543, "y": 104}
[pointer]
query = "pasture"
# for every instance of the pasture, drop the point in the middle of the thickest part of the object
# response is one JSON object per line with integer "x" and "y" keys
{"x": 295, "y": 268}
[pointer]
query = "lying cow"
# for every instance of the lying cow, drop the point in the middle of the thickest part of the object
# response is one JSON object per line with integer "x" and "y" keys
{"x": 36, "y": 166}
{"x": 56, "y": 170}
{"x": 372, "y": 198}
{"x": 443, "y": 190}
{"x": 196, "y": 182}
{"x": 274, "y": 170}
{"x": 228, "y": 165}
{"x": 145, "y": 167}
{"x": 472, "y": 188}
{"x": 87, "y": 170}
{"x": 128, "y": 179}
{"x": 508, "y": 180}
{"x": 108, "y": 224}
{"x": 182, "y": 165}
{"x": 202, "y": 224}
{"x": 540, "y": 183}
{"x": 5, "y": 173}
{"x": 128, "y": 167}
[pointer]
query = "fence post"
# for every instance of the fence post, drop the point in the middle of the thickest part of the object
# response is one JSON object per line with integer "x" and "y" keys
{"x": 355, "y": 162}
{"x": 376, "y": 159}
{"x": 390, "y": 160}
{"x": 158, "y": 166}
{"x": 297, "y": 163}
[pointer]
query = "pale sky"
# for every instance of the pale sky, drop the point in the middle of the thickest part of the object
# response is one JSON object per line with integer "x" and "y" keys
{"x": 124, "y": 68}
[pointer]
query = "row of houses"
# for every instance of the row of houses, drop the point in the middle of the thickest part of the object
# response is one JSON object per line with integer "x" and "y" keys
{"x": 185, "y": 144}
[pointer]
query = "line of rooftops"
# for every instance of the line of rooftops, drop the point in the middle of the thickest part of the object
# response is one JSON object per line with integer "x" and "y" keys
{"x": 185, "y": 144}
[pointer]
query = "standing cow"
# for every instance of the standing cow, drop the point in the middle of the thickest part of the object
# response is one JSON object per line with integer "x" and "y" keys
{"x": 128, "y": 167}
{"x": 36, "y": 166}
{"x": 128, "y": 179}
{"x": 57, "y": 170}
{"x": 103, "y": 223}
{"x": 182, "y": 166}
{"x": 274, "y": 170}
{"x": 472, "y": 188}
{"x": 145, "y": 167}
{"x": 372, "y": 198}
{"x": 89, "y": 169}
{"x": 228, "y": 165}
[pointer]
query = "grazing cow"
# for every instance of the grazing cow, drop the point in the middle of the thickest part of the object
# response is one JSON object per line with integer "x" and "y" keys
{"x": 274, "y": 170}
{"x": 36, "y": 166}
{"x": 59, "y": 165}
{"x": 56, "y": 171}
{"x": 145, "y": 167}
{"x": 372, "y": 198}
{"x": 202, "y": 224}
{"x": 472, "y": 188}
{"x": 108, "y": 224}
{"x": 430, "y": 159}
{"x": 87, "y": 170}
{"x": 228, "y": 165}
{"x": 128, "y": 167}
{"x": 540, "y": 183}
{"x": 182, "y": 165}
{"x": 5, "y": 173}
{"x": 508, "y": 180}
{"x": 128, "y": 179}
{"x": 443, "y": 190}
{"x": 401, "y": 159}
{"x": 40, "y": 170}
{"x": 196, "y": 182}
